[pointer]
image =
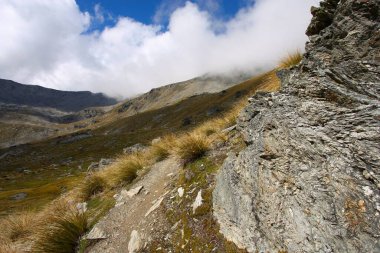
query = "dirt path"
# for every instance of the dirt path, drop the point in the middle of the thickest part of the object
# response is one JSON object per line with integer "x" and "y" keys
{"x": 136, "y": 213}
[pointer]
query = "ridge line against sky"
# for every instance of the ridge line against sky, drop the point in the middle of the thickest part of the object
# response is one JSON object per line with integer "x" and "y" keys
{"x": 60, "y": 44}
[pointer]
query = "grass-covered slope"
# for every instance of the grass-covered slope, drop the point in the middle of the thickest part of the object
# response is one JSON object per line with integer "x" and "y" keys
{"x": 44, "y": 170}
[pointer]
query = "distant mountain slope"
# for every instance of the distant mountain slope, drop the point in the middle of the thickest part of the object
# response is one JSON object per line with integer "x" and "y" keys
{"x": 173, "y": 93}
{"x": 37, "y": 96}
{"x": 32, "y": 113}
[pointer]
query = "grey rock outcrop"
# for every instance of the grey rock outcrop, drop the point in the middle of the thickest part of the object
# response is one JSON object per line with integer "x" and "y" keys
{"x": 309, "y": 178}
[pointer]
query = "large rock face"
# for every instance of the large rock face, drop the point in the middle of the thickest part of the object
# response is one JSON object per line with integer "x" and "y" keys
{"x": 309, "y": 178}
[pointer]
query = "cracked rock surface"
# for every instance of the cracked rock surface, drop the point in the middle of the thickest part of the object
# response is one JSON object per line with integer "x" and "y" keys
{"x": 309, "y": 178}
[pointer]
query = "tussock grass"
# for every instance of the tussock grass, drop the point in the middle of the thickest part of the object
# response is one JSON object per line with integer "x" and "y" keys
{"x": 124, "y": 170}
{"x": 290, "y": 60}
{"x": 160, "y": 152}
{"x": 271, "y": 83}
{"x": 162, "y": 149}
{"x": 18, "y": 226}
{"x": 9, "y": 248}
{"x": 92, "y": 185}
{"x": 62, "y": 231}
{"x": 192, "y": 146}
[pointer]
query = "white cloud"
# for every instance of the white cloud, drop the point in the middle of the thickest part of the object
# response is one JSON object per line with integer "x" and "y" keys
{"x": 44, "y": 42}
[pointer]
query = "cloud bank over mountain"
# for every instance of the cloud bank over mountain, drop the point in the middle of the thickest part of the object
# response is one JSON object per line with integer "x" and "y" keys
{"x": 48, "y": 43}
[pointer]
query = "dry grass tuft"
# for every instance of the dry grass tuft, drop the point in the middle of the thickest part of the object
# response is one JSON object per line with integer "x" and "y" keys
{"x": 162, "y": 149}
{"x": 9, "y": 248}
{"x": 291, "y": 60}
{"x": 18, "y": 226}
{"x": 93, "y": 185}
{"x": 62, "y": 231}
{"x": 271, "y": 83}
{"x": 125, "y": 169}
{"x": 192, "y": 146}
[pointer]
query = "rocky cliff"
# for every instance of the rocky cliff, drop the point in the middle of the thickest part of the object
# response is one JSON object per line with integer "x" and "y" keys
{"x": 309, "y": 178}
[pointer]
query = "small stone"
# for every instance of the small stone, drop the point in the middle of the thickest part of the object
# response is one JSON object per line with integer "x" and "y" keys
{"x": 155, "y": 141}
{"x": 134, "y": 191}
{"x": 367, "y": 190}
{"x": 134, "y": 149}
{"x": 180, "y": 192}
{"x": 96, "y": 234}
{"x": 19, "y": 196}
{"x": 366, "y": 174}
{"x": 198, "y": 201}
{"x": 82, "y": 207}
{"x": 135, "y": 243}
{"x": 155, "y": 206}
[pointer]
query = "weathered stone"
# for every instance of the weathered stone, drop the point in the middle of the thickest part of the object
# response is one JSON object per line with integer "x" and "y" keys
{"x": 134, "y": 149}
{"x": 97, "y": 166}
{"x": 180, "y": 192}
{"x": 19, "y": 196}
{"x": 135, "y": 243}
{"x": 156, "y": 204}
{"x": 300, "y": 184}
{"x": 156, "y": 140}
{"x": 198, "y": 201}
{"x": 82, "y": 207}
{"x": 133, "y": 192}
{"x": 105, "y": 162}
{"x": 124, "y": 195}
{"x": 96, "y": 234}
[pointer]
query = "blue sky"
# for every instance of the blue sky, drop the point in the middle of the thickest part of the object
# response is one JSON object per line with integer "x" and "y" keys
{"x": 154, "y": 11}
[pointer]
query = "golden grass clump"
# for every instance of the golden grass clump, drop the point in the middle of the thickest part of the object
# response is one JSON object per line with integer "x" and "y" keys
{"x": 162, "y": 149}
{"x": 271, "y": 83}
{"x": 18, "y": 226}
{"x": 9, "y": 248}
{"x": 62, "y": 231}
{"x": 291, "y": 60}
{"x": 192, "y": 146}
{"x": 125, "y": 169}
{"x": 92, "y": 185}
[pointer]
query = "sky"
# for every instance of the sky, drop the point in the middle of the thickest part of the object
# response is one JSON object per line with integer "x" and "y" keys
{"x": 127, "y": 47}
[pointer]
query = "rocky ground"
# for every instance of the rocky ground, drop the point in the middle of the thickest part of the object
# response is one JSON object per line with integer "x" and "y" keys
{"x": 167, "y": 210}
{"x": 131, "y": 223}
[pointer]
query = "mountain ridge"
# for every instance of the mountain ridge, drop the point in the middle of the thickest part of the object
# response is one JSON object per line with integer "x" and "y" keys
{"x": 34, "y": 95}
